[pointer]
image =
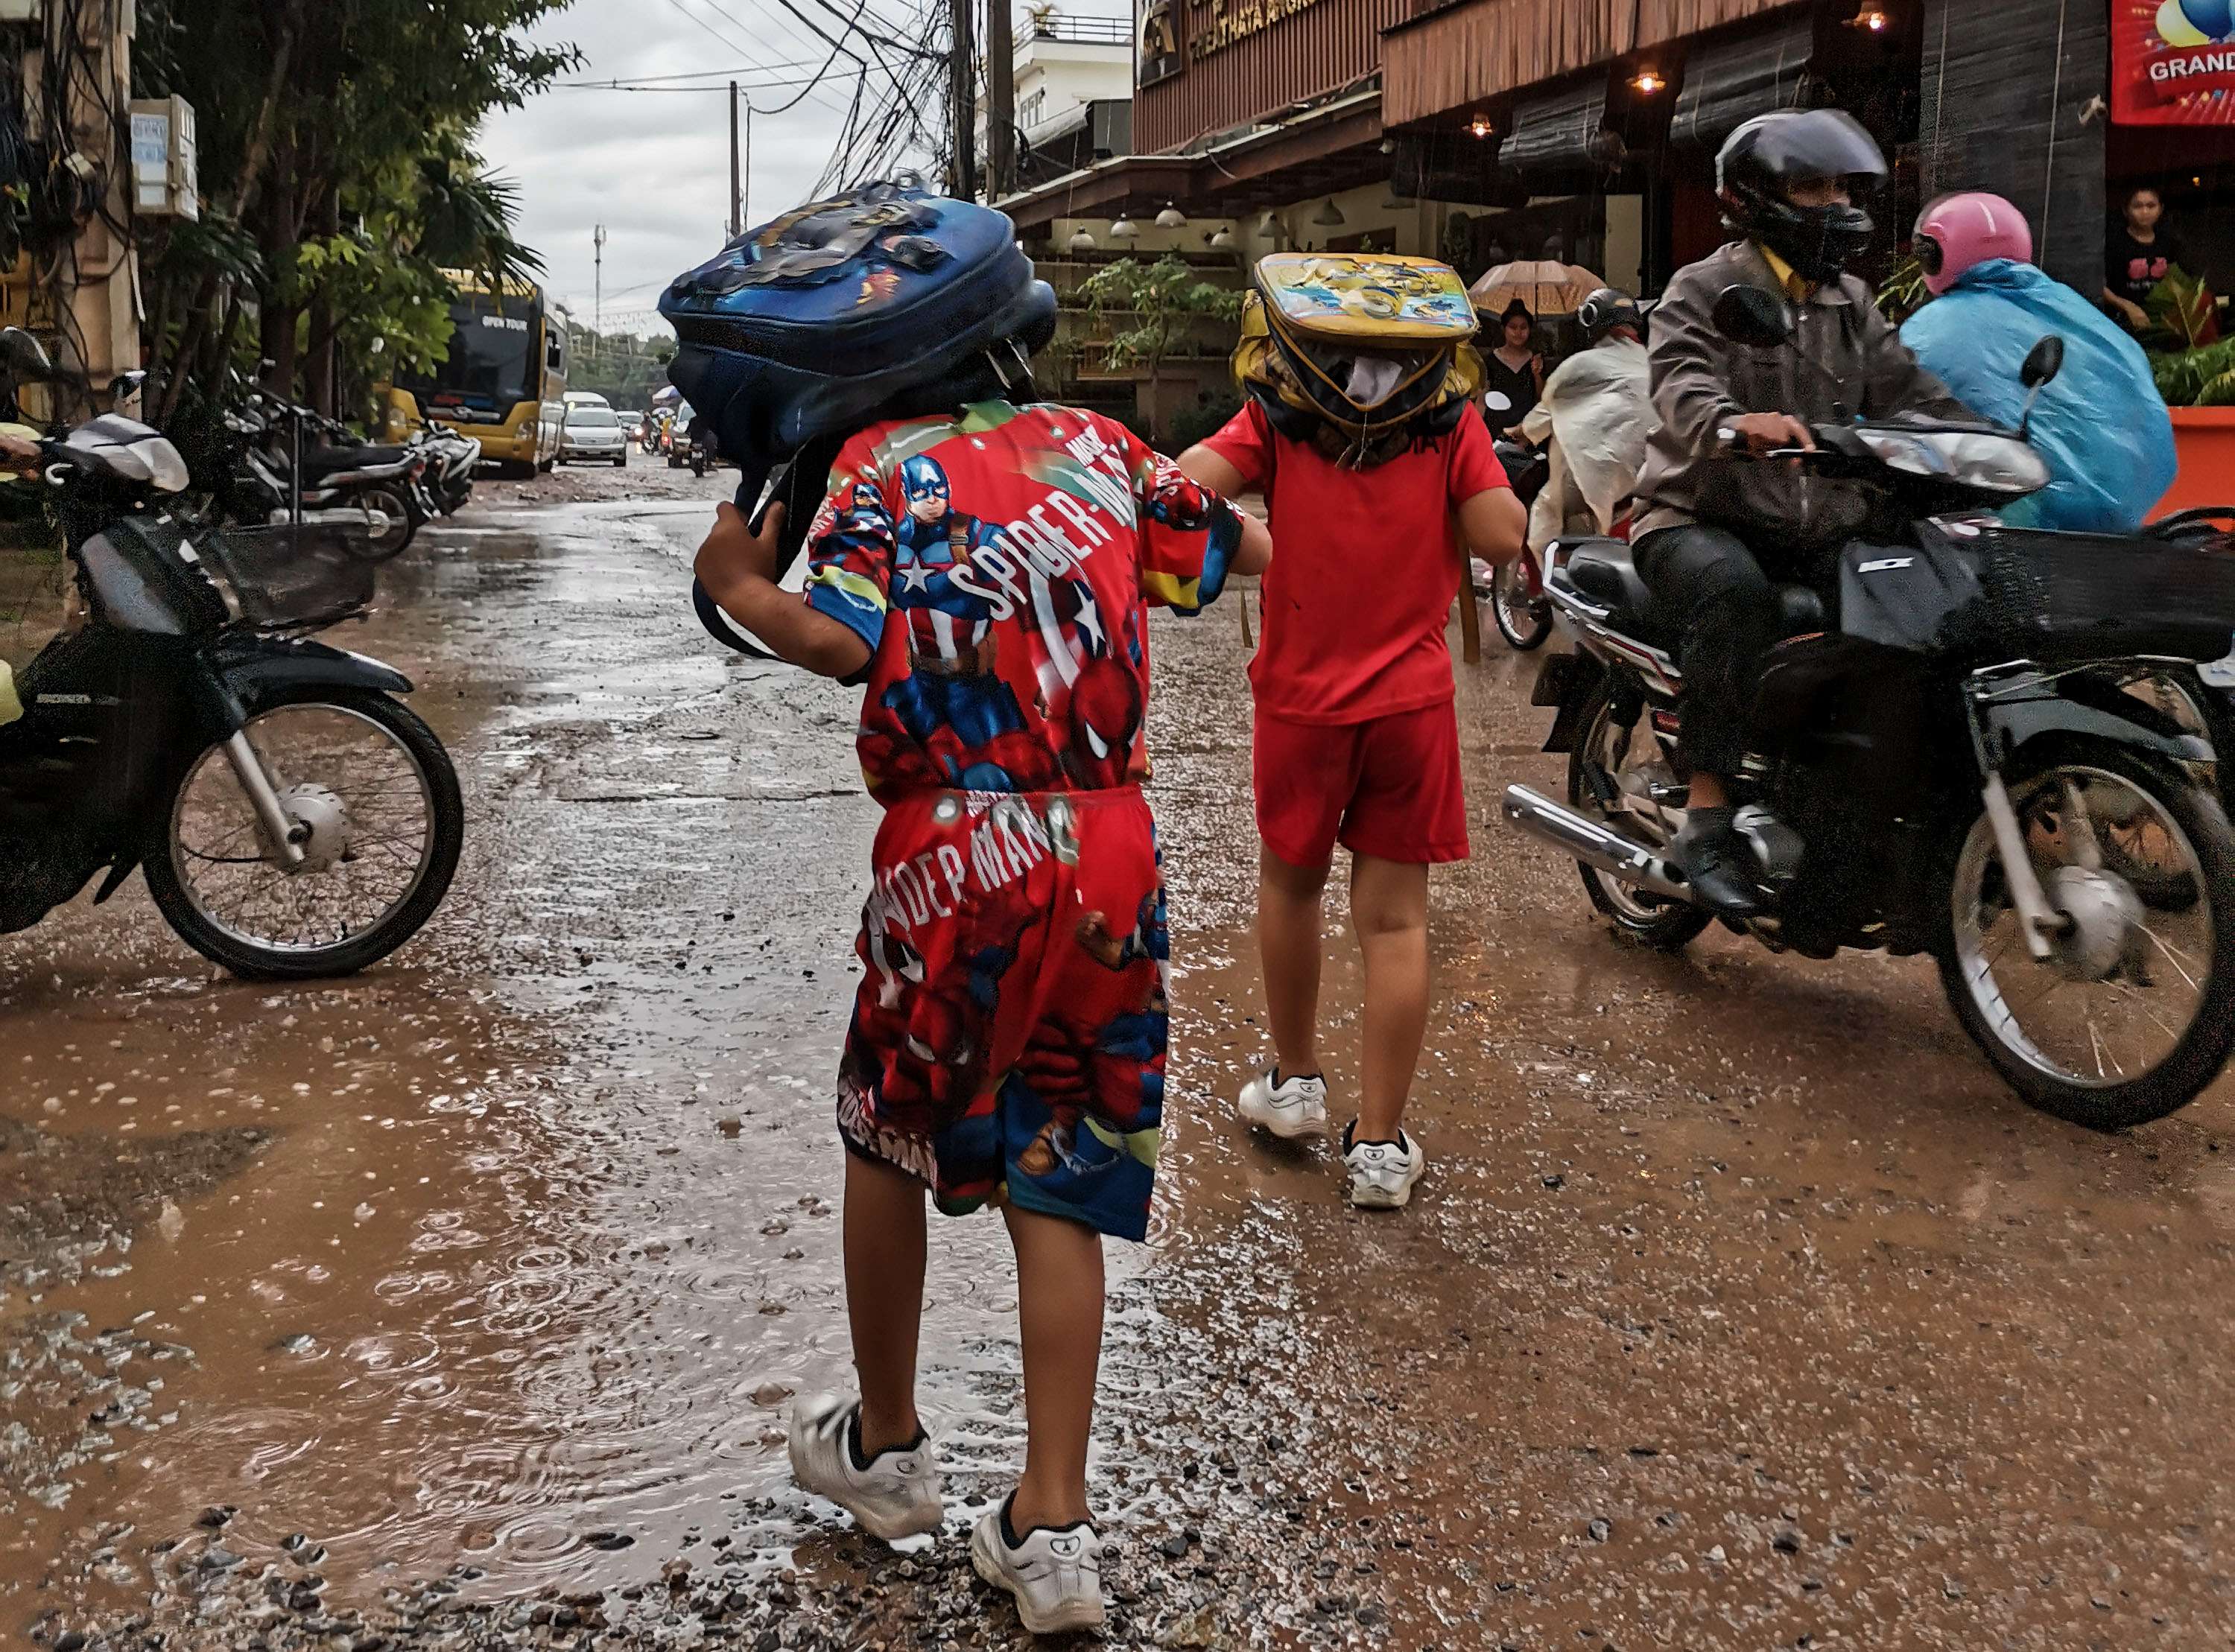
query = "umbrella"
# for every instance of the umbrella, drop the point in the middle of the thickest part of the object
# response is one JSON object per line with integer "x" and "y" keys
{"x": 1547, "y": 287}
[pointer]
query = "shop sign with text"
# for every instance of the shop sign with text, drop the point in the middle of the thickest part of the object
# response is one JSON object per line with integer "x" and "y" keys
{"x": 1219, "y": 23}
{"x": 2172, "y": 62}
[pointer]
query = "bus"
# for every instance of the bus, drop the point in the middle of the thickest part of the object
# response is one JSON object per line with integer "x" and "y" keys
{"x": 504, "y": 382}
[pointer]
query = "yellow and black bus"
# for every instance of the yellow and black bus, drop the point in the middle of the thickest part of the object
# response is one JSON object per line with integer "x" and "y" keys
{"x": 504, "y": 382}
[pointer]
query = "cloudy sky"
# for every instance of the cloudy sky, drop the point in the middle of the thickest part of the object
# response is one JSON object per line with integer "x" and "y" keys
{"x": 653, "y": 168}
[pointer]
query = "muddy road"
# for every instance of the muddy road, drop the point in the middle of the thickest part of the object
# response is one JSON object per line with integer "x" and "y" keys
{"x": 457, "y": 1305}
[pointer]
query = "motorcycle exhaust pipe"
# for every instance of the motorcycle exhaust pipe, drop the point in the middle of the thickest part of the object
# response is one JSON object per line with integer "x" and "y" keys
{"x": 1595, "y": 845}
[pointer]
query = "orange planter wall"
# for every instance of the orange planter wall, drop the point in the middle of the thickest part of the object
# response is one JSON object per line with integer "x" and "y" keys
{"x": 2205, "y": 440}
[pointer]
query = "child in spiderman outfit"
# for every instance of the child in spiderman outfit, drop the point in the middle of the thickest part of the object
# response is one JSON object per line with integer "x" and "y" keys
{"x": 985, "y": 565}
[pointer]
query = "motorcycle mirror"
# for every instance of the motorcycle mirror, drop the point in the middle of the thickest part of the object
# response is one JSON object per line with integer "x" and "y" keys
{"x": 24, "y": 355}
{"x": 1747, "y": 314}
{"x": 2043, "y": 363}
{"x": 1499, "y": 402}
{"x": 125, "y": 385}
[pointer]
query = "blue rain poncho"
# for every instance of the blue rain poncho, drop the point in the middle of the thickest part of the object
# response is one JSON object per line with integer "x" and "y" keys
{"x": 2102, "y": 428}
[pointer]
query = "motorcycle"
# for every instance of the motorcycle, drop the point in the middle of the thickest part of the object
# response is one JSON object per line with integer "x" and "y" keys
{"x": 1516, "y": 587}
{"x": 273, "y": 476}
{"x": 1968, "y": 757}
{"x": 294, "y": 818}
{"x": 453, "y": 458}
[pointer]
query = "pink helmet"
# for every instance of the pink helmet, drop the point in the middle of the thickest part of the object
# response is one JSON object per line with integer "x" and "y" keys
{"x": 1957, "y": 231}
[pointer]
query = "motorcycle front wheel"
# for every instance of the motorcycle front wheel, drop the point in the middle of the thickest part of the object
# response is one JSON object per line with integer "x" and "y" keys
{"x": 375, "y": 800}
{"x": 1517, "y": 603}
{"x": 2132, "y": 1014}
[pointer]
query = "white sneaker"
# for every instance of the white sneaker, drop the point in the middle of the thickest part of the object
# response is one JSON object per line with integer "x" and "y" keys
{"x": 1382, "y": 1173}
{"x": 896, "y": 1497}
{"x": 1291, "y": 1108}
{"x": 1055, "y": 1577}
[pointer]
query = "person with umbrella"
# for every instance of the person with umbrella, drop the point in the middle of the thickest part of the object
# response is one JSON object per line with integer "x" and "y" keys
{"x": 1515, "y": 369}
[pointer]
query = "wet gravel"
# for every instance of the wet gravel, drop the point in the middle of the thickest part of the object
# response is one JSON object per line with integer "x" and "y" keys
{"x": 456, "y": 1307}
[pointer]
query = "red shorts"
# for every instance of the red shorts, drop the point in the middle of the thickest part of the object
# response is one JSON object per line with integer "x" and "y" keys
{"x": 1389, "y": 788}
{"x": 1008, "y": 1036}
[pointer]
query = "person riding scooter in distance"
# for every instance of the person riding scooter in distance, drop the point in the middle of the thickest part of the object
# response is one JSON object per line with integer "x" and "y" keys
{"x": 1593, "y": 423}
{"x": 1716, "y": 533}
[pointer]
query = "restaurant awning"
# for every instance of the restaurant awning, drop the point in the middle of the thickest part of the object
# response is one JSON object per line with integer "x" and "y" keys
{"x": 1323, "y": 151}
{"x": 1728, "y": 82}
{"x": 1558, "y": 129}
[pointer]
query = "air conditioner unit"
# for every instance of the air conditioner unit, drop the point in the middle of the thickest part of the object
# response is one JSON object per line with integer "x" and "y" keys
{"x": 166, "y": 182}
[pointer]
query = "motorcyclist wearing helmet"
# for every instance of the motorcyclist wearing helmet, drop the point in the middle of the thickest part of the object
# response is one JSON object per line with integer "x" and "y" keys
{"x": 2102, "y": 426}
{"x": 1715, "y": 533}
{"x": 1593, "y": 422}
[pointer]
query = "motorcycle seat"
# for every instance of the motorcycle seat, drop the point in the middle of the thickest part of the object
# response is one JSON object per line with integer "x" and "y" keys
{"x": 1604, "y": 571}
{"x": 326, "y": 461}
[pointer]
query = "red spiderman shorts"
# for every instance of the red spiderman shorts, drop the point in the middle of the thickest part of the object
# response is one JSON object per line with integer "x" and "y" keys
{"x": 1008, "y": 1039}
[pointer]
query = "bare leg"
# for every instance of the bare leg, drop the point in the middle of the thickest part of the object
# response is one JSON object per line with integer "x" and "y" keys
{"x": 1060, "y": 1308}
{"x": 1289, "y": 948}
{"x": 1389, "y": 906}
{"x": 885, "y": 1244}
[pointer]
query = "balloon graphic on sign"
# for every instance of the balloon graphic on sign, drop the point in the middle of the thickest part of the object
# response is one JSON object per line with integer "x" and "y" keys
{"x": 2196, "y": 22}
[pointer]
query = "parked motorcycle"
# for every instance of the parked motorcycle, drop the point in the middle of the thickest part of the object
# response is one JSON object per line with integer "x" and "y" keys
{"x": 293, "y": 818}
{"x": 1970, "y": 758}
{"x": 455, "y": 457}
{"x": 274, "y": 474}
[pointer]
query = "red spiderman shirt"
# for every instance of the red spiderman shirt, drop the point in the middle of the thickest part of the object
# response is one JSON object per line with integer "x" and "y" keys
{"x": 1018, "y": 548}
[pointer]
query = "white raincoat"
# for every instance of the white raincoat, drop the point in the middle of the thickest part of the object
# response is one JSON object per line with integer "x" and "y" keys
{"x": 1597, "y": 411}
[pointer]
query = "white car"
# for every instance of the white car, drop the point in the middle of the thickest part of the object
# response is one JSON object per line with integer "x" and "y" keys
{"x": 593, "y": 434}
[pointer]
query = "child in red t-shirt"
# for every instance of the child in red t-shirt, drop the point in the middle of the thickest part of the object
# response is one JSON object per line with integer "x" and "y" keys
{"x": 1357, "y": 744}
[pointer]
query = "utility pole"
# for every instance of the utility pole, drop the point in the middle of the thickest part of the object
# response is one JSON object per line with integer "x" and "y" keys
{"x": 1000, "y": 101}
{"x": 598, "y": 322}
{"x": 736, "y": 186}
{"x": 965, "y": 87}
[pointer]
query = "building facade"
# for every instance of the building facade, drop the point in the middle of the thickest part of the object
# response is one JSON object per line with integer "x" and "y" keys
{"x": 1475, "y": 129}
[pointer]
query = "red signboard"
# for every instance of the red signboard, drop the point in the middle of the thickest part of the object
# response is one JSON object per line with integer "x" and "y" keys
{"x": 2172, "y": 62}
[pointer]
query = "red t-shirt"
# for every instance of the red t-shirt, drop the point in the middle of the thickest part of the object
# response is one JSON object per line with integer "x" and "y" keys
{"x": 1365, "y": 563}
{"x": 1001, "y": 564}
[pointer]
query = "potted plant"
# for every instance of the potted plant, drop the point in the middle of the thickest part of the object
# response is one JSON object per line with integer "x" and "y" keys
{"x": 2195, "y": 372}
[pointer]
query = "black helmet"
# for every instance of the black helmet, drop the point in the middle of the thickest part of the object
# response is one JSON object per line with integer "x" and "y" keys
{"x": 1761, "y": 161}
{"x": 1608, "y": 309}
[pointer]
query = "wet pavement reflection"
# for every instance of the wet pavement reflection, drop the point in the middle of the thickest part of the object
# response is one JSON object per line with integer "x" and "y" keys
{"x": 1742, "y": 1307}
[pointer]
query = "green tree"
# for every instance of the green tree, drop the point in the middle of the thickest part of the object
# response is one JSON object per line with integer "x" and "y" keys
{"x": 339, "y": 176}
{"x": 1148, "y": 308}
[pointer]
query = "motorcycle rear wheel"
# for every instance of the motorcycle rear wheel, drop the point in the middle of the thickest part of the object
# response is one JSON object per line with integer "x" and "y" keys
{"x": 210, "y": 829}
{"x": 1666, "y": 926}
{"x": 403, "y": 524}
{"x": 2004, "y": 1000}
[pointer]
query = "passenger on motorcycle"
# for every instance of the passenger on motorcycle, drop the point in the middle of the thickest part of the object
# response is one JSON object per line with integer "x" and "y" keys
{"x": 2101, "y": 425}
{"x": 1592, "y": 424}
{"x": 1716, "y": 534}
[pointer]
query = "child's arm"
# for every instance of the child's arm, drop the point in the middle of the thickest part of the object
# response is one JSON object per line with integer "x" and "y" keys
{"x": 1254, "y": 553}
{"x": 1209, "y": 468}
{"x": 738, "y": 568}
{"x": 1494, "y": 523}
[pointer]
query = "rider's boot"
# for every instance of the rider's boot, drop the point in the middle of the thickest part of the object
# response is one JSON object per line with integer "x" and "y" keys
{"x": 1719, "y": 863}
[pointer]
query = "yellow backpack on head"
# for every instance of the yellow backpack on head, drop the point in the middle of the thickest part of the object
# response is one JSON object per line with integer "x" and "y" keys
{"x": 1360, "y": 353}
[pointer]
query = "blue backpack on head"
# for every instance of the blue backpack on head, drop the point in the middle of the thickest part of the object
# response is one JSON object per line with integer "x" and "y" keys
{"x": 815, "y": 324}
{"x": 812, "y": 324}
